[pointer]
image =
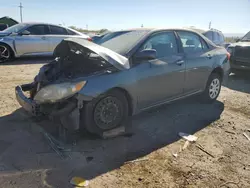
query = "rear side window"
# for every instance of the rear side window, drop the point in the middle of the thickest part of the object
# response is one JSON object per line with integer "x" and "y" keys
{"x": 164, "y": 44}
{"x": 71, "y": 32}
{"x": 38, "y": 30}
{"x": 55, "y": 30}
{"x": 192, "y": 43}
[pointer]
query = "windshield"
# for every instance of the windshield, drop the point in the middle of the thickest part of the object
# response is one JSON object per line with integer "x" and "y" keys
{"x": 15, "y": 28}
{"x": 109, "y": 36}
{"x": 246, "y": 37}
{"x": 123, "y": 43}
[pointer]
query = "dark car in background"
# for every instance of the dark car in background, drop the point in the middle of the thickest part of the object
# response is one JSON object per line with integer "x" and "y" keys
{"x": 240, "y": 54}
{"x": 216, "y": 37}
{"x": 98, "y": 86}
{"x": 3, "y": 26}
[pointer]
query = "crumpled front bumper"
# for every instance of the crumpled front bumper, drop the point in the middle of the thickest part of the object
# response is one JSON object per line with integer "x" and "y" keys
{"x": 28, "y": 104}
{"x": 68, "y": 114}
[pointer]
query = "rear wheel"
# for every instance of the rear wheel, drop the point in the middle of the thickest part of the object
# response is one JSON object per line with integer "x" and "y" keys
{"x": 105, "y": 113}
{"x": 5, "y": 53}
{"x": 213, "y": 88}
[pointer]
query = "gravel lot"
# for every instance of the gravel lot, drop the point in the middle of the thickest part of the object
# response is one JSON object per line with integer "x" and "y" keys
{"x": 27, "y": 160}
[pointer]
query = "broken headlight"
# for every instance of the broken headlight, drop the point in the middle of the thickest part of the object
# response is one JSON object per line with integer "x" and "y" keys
{"x": 55, "y": 92}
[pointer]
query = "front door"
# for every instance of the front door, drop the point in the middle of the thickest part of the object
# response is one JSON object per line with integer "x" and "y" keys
{"x": 34, "y": 43}
{"x": 160, "y": 79}
{"x": 198, "y": 59}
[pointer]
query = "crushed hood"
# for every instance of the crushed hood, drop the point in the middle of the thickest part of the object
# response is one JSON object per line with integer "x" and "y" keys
{"x": 115, "y": 59}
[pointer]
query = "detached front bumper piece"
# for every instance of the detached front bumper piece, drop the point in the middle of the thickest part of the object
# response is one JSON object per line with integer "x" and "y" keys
{"x": 28, "y": 104}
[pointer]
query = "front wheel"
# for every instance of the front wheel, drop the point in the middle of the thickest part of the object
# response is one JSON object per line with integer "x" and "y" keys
{"x": 5, "y": 53}
{"x": 213, "y": 88}
{"x": 105, "y": 113}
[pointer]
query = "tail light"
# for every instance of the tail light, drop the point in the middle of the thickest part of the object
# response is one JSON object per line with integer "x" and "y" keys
{"x": 228, "y": 55}
{"x": 89, "y": 39}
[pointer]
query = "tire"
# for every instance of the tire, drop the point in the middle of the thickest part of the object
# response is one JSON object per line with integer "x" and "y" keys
{"x": 5, "y": 53}
{"x": 105, "y": 113}
{"x": 213, "y": 88}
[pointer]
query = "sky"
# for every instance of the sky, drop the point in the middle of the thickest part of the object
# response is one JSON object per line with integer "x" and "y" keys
{"x": 229, "y": 16}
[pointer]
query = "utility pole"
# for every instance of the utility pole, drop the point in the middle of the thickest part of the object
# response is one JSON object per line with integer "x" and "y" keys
{"x": 210, "y": 23}
{"x": 21, "y": 11}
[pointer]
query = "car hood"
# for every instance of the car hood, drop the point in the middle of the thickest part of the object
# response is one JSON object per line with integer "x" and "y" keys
{"x": 242, "y": 44}
{"x": 3, "y": 34}
{"x": 115, "y": 59}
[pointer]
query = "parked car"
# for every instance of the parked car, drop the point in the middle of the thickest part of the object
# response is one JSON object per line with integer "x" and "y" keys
{"x": 98, "y": 86}
{"x": 240, "y": 54}
{"x": 29, "y": 39}
{"x": 216, "y": 37}
{"x": 3, "y": 26}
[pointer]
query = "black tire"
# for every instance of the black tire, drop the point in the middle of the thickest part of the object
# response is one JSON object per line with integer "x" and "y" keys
{"x": 213, "y": 88}
{"x": 94, "y": 118}
{"x": 5, "y": 53}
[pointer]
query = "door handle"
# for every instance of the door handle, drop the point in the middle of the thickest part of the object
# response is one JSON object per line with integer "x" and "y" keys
{"x": 209, "y": 56}
{"x": 179, "y": 62}
{"x": 43, "y": 38}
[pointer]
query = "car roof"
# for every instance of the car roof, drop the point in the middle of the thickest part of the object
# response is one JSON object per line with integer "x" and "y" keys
{"x": 38, "y": 23}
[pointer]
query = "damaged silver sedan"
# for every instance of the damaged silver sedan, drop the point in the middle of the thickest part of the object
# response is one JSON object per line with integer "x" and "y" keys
{"x": 97, "y": 87}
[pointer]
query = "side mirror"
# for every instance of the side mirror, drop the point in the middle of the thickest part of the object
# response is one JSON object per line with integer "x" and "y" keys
{"x": 147, "y": 54}
{"x": 25, "y": 32}
{"x": 237, "y": 40}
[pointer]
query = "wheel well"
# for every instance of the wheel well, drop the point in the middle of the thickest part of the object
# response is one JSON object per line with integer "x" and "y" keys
{"x": 218, "y": 71}
{"x": 129, "y": 99}
{"x": 11, "y": 50}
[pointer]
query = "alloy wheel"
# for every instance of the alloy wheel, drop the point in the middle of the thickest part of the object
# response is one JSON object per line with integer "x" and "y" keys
{"x": 4, "y": 53}
{"x": 214, "y": 88}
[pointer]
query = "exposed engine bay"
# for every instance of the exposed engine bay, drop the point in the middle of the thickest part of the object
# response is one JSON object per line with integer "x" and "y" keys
{"x": 72, "y": 61}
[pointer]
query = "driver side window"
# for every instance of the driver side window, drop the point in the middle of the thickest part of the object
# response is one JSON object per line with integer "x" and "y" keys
{"x": 164, "y": 44}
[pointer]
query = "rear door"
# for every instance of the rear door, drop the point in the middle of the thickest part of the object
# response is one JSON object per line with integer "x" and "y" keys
{"x": 36, "y": 43}
{"x": 160, "y": 79}
{"x": 198, "y": 59}
{"x": 57, "y": 34}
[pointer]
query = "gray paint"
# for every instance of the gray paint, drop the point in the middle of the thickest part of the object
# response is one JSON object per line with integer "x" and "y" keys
{"x": 155, "y": 82}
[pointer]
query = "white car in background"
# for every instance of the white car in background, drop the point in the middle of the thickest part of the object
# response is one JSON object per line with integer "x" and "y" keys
{"x": 33, "y": 39}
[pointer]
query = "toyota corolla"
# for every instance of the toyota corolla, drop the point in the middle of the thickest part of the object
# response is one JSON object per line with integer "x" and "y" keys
{"x": 97, "y": 87}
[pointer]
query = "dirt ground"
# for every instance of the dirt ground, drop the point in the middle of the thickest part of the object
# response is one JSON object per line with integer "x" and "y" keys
{"x": 27, "y": 160}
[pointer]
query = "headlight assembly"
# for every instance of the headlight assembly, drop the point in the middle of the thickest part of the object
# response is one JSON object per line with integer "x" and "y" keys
{"x": 55, "y": 92}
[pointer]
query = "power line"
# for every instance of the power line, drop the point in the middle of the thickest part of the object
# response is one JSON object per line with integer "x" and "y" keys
{"x": 21, "y": 11}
